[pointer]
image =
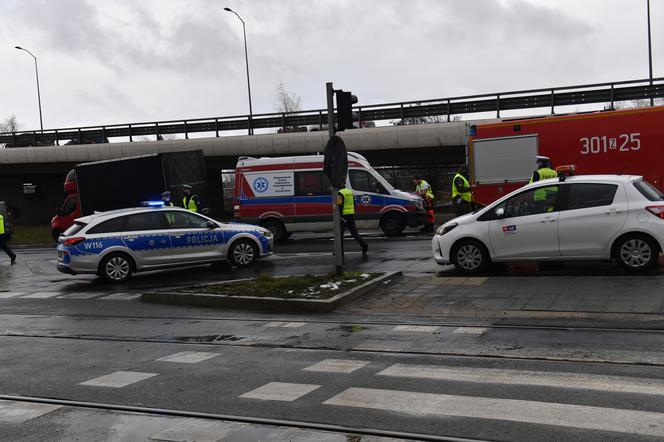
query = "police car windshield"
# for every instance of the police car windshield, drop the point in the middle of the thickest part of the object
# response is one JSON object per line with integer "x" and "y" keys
{"x": 74, "y": 229}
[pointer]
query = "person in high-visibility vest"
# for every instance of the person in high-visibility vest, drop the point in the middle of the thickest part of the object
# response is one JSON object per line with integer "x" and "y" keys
{"x": 544, "y": 171}
{"x": 3, "y": 241}
{"x": 346, "y": 204}
{"x": 423, "y": 189}
{"x": 166, "y": 198}
{"x": 462, "y": 193}
{"x": 190, "y": 201}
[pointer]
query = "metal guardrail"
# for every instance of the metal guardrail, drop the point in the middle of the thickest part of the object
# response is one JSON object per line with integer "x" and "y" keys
{"x": 447, "y": 107}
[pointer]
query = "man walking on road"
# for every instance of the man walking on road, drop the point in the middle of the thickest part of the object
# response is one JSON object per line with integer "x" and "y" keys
{"x": 346, "y": 205}
{"x": 462, "y": 194}
{"x": 190, "y": 201}
{"x": 3, "y": 241}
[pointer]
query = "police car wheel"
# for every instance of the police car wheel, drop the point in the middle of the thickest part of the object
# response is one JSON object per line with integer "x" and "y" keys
{"x": 116, "y": 268}
{"x": 470, "y": 257}
{"x": 636, "y": 253}
{"x": 243, "y": 253}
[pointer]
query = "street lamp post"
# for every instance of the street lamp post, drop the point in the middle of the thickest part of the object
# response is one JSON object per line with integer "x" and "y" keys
{"x": 652, "y": 101}
{"x": 41, "y": 121}
{"x": 246, "y": 59}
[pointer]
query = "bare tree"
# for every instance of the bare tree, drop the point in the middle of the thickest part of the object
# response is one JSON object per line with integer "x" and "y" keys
{"x": 631, "y": 104}
{"x": 429, "y": 119}
{"x": 9, "y": 125}
{"x": 287, "y": 103}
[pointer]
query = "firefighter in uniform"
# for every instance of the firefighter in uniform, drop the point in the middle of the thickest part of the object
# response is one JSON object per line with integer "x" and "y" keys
{"x": 423, "y": 189}
{"x": 166, "y": 198}
{"x": 545, "y": 196}
{"x": 3, "y": 241}
{"x": 346, "y": 205}
{"x": 190, "y": 201}
{"x": 462, "y": 194}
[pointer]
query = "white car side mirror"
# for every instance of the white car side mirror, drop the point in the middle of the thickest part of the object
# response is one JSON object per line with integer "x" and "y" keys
{"x": 500, "y": 212}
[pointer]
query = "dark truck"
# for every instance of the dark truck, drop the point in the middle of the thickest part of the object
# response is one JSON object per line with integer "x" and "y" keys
{"x": 116, "y": 184}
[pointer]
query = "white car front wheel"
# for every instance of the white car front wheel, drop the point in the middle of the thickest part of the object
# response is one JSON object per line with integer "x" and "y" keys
{"x": 470, "y": 256}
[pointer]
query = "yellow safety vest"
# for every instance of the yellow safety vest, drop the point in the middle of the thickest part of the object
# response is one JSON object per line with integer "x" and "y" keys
{"x": 348, "y": 207}
{"x": 419, "y": 187}
{"x": 544, "y": 174}
{"x": 2, "y": 225}
{"x": 192, "y": 204}
{"x": 466, "y": 196}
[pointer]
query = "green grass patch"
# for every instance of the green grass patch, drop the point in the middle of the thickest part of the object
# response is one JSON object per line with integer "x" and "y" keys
{"x": 307, "y": 286}
{"x": 30, "y": 235}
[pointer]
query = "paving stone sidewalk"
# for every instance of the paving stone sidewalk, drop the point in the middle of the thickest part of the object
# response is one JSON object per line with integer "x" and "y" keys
{"x": 477, "y": 296}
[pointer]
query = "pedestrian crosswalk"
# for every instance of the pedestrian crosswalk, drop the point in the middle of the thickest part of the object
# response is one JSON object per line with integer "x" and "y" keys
{"x": 104, "y": 296}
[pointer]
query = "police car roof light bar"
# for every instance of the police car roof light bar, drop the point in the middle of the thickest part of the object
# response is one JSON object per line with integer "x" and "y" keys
{"x": 152, "y": 204}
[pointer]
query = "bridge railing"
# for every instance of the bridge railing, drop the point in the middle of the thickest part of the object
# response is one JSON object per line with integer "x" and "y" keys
{"x": 549, "y": 98}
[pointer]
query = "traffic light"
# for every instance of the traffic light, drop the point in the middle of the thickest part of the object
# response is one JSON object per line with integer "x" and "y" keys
{"x": 345, "y": 101}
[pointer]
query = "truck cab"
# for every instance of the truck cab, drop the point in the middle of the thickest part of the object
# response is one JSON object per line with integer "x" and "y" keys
{"x": 70, "y": 208}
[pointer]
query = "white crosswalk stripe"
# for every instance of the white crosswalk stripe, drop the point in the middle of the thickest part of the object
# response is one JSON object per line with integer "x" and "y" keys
{"x": 337, "y": 366}
{"x": 415, "y": 328}
{"x": 188, "y": 357}
{"x": 4, "y": 295}
{"x": 532, "y": 412}
{"x": 17, "y": 412}
{"x": 42, "y": 295}
{"x": 282, "y": 324}
{"x": 470, "y": 330}
{"x": 280, "y": 391}
{"x": 106, "y": 296}
{"x": 121, "y": 297}
{"x": 78, "y": 296}
{"x": 617, "y": 384}
{"x": 118, "y": 379}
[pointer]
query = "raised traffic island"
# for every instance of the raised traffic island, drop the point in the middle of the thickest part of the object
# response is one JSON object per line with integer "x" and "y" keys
{"x": 308, "y": 293}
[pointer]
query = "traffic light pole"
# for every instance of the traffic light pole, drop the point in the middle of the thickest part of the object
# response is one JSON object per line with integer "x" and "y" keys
{"x": 336, "y": 218}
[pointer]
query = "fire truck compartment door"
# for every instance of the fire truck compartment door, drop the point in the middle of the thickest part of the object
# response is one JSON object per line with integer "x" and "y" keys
{"x": 505, "y": 159}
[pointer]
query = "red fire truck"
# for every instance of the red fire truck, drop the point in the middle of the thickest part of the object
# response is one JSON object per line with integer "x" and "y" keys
{"x": 502, "y": 156}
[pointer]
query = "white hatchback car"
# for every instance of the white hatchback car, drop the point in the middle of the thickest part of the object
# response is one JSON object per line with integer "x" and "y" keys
{"x": 591, "y": 217}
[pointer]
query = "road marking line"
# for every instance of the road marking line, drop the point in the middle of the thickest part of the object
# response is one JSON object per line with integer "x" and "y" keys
{"x": 512, "y": 410}
{"x": 576, "y": 381}
{"x": 280, "y": 391}
{"x": 121, "y": 297}
{"x": 188, "y": 357}
{"x": 197, "y": 430}
{"x": 337, "y": 366}
{"x": 298, "y": 435}
{"x": 470, "y": 330}
{"x": 78, "y": 296}
{"x": 118, "y": 379}
{"x": 294, "y": 324}
{"x": 415, "y": 328}
{"x": 17, "y": 412}
{"x": 274, "y": 324}
{"x": 42, "y": 295}
{"x": 11, "y": 294}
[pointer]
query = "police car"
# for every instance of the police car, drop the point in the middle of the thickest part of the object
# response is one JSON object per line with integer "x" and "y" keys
{"x": 117, "y": 243}
{"x": 592, "y": 217}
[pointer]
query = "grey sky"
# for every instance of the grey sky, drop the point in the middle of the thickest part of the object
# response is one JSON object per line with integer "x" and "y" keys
{"x": 115, "y": 61}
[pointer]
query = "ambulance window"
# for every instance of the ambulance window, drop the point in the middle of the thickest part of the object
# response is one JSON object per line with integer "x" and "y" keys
{"x": 363, "y": 181}
{"x": 311, "y": 183}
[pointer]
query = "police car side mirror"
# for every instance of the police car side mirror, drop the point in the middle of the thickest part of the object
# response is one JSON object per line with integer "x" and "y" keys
{"x": 500, "y": 212}
{"x": 212, "y": 225}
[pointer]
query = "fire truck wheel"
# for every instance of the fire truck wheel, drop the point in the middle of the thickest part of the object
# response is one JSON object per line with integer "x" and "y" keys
{"x": 277, "y": 228}
{"x": 636, "y": 253}
{"x": 470, "y": 256}
{"x": 392, "y": 224}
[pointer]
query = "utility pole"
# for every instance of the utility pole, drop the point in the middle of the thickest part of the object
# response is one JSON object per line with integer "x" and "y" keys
{"x": 652, "y": 100}
{"x": 336, "y": 218}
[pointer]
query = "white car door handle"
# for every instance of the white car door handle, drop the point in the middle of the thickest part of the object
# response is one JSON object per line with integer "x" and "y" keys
{"x": 612, "y": 211}
{"x": 548, "y": 220}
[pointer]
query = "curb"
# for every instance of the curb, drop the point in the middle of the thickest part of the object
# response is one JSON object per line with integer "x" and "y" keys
{"x": 267, "y": 303}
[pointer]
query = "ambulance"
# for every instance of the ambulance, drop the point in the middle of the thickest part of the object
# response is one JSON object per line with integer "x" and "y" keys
{"x": 502, "y": 156}
{"x": 292, "y": 194}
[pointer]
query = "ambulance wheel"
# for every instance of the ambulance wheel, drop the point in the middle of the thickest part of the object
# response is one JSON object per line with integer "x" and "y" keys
{"x": 277, "y": 228}
{"x": 470, "y": 256}
{"x": 392, "y": 224}
{"x": 636, "y": 253}
{"x": 116, "y": 267}
{"x": 243, "y": 253}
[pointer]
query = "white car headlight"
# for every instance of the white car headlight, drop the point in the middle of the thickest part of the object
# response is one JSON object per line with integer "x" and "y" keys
{"x": 445, "y": 228}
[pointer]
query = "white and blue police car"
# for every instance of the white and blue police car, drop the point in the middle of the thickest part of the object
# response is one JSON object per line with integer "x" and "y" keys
{"x": 117, "y": 243}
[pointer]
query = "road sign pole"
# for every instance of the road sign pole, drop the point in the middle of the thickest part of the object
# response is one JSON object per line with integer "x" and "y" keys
{"x": 336, "y": 218}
